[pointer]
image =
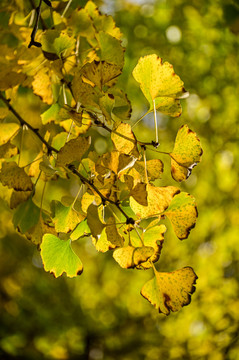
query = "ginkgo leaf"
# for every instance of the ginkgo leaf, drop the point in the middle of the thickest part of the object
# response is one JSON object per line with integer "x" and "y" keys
{"x": 42, "y": 85}
{"x": 14, "y": 177}
{"x": 36, "y": 233}
{"x": 8, "y": 150}
{"x": 56, "y": 42}
{"x": 66, "y": 218}
{"x": 139, "y": 193}
{"x": 82, "y": 23}
{"x": 170, "y": 291}
{"x": 106, "y": 103}
{"x": 50, "y": 114}
{"x": 93, "y": 221}
{"x": 186, "y": 154}
{"x": 7, "y": 131}
{"x": 122, "y": 106}
{"x": 73, "y": 150}
{"x": 159, "y": 83}
{"x": 112, "y": 233}
{"x": 124, "y": 139}
{"x": 154, "y": 169}
{"x": 101, "y": 73}
{"x": 111, "y": 49}
{"x": 84, "y": 92}
{"x": 82, "y": 229}
{"x": 129, "y": 257}
{"x": 58, "y": 257}
{"x": 159, "y": 199}
{"x": 18, "y": 197}
{"x": 26, "y": 216}
{"x": 182, "y": 212}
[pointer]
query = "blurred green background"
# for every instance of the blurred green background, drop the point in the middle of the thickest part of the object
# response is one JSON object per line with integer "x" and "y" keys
{"x": 101, "y": 315}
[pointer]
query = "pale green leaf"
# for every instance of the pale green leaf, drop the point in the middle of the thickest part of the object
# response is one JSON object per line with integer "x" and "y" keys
{"x": 58, "y": 257}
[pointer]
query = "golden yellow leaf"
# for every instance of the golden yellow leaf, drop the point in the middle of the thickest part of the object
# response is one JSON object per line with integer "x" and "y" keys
{"x": 130, "y": 257}
{"x": 154, "y": 169}
{"x": 13, "y": 176}
{"x": 42, "y": 86}
{"x": 124, "y": 140}
{"x": 186, "y": 154}
{"x": 170, "y": 291}
{"x": 8, "y": 130}
{"x": 159, "y": 199}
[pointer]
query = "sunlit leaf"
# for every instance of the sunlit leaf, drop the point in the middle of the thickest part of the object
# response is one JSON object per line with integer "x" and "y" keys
{"x": 14, "y": 177}
{"x": 36, "y": 233}
{"x": 186, "y": 154}
{"x": 66, "y": 218}
{"x": 42, "y": 86}
{"x": 73, "y": 150}
{"x": 56, "y": 42}
{"x": 154, "y": 169}
{"x": 101, "y": 73}
{"x": 111, "y": 49}
{"x": 81, "y": 23}
{"x": 7, "y": 131}
{"x": 58, "y": 257}
{"x": 170, "y": 291}
{"x": 82, "y": 229}
{"x": 124, "y": 139}
{"x": 130, "y": 257}
{"x": 159, "y": 199}
{"x": 8, "y": 150}
{"x": 182, "y": 212}
{"x": 159, "y": 82}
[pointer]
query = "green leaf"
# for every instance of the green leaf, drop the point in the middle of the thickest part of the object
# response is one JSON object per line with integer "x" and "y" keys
{"x": 26, "y": 216}
{"x": 14, "y": 177}
{"x": 65, "y": 218}
{"x": 56, "y": 42}
{"x": 82, "y": 229}
{"x": 111, "y": 49}
{"x": 182, "y": 212}
{"x": 81, "y": 23}
{"x": 58, "y": 257}
{"x": 73, "y": 150}
{"x": 170, "y": 291}
{"x": 186, "y": 154}
{"x": 159, "y": 82}
{"x": 8, "y": 130}
{"x": 50, "y": 114}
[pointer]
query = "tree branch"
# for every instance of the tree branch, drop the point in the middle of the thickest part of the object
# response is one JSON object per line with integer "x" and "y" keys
{"x": 33, "y": 42}
{"x": 72, "y": 168}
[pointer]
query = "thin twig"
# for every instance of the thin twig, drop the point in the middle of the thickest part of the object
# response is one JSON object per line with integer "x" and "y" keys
{"x": 33, "y": 42}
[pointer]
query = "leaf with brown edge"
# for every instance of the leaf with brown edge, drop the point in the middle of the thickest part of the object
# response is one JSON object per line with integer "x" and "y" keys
{"x": 153, "y": 237}
{"x": 14, "y": 177}
{"x": 139, "y": 193}
{"x": 170, "y": 291}
{"x": 73, "y": 150}
{"x": 182, "y": 213}
{"x": 159, "y": 83}
{"x": 159, "y": 199}
{"x": 186, "y": 154}
{"x": 129, "y": 257}
{"x": 8, "y": 130}
{"x": 58, "y": 257}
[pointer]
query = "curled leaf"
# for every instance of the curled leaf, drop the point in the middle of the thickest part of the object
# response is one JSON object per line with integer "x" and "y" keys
{"x": 186, "y": 154}
{"x": 170, "y": 291}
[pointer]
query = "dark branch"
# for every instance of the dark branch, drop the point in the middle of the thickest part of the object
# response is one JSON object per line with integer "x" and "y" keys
{"x": 72, "y": 168}
{"x": 33, "y": 42}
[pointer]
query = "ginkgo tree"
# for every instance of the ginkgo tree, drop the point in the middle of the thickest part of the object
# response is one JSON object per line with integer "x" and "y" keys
{"x": 72, "y": 61}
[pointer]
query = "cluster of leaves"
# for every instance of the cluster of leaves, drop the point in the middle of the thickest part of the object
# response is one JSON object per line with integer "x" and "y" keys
{"x": 74, "y": 67}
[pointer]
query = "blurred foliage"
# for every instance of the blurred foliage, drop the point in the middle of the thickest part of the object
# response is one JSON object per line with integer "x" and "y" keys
{"x": 100, "y": 315}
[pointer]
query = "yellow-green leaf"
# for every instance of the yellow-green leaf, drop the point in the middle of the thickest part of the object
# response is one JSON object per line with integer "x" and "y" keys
{"x": 56, "y": 42}
{"x": 10, "y": 79}
{"x": 26, "y": 216}
{"x": 101, "y": 73}
{"x": 14, "y": 177}
{"x": 159, "y": 83}
{"x": 7, "y": 130}
{"x": 159, "y": 199}
{"x": 111, "y": 49}
{"x": 182, "y": 212}
{"x": 154, "y": 169}
{"x": 170, "y": 291}
{"x": 73, "y": 150}
{"x": 65, "y": 218}
{"x": 58, "y": 257}
{"x": 130, "y": 257}
{"x": 186, "y": 154}
{"x": 36, "y": 233}
{"x": 8, "y": 150}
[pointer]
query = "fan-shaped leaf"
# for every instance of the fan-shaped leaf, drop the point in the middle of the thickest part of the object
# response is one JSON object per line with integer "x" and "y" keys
{"x": 14, "y": 177}
{"x": 73, "y": 150}
{"x": 58, "y": 257}
{"x": 130, "y": 257}
{"x": 170, "y": 291}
